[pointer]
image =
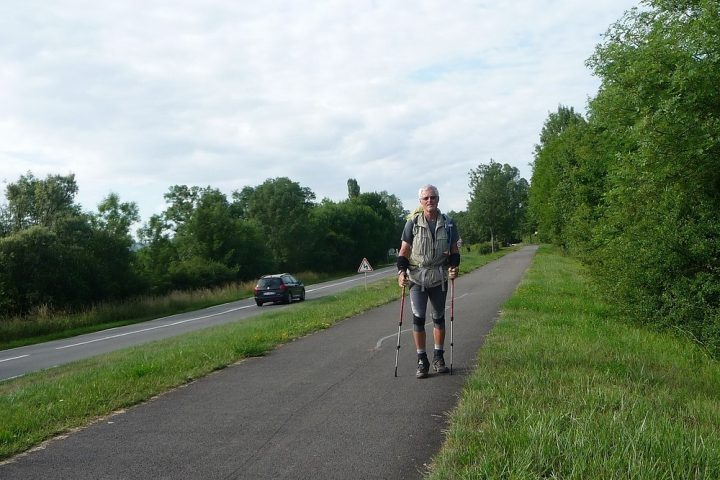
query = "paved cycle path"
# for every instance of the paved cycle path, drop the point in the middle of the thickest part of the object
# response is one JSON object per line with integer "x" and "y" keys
{"x": 326, "y": 406}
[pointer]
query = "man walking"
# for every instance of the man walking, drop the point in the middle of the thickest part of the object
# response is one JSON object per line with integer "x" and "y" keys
{"x": 428, "y": 257}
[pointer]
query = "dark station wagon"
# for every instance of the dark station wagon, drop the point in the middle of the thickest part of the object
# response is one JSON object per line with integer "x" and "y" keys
{"x": 280, "y": 288}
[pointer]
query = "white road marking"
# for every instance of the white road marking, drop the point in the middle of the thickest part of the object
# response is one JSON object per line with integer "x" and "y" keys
{"x": 109, "y": 337}
{"x": 379, "y": 342}
{"x": 13, "y": 358}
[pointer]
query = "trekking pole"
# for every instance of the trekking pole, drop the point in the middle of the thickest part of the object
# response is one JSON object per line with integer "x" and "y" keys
{"x": 402, "y": 307}
{"x": 452, "y": 317}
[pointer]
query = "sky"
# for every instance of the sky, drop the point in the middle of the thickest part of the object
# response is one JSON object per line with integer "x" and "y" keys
{"x": 134, "y": 97}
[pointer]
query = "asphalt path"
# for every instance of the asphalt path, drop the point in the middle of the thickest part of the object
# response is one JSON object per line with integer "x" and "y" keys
{"x": 326, "y": 406}
{"x": 20, "y": 361}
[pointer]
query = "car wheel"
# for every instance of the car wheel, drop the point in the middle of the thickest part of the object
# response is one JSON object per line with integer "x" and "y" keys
{"x": 302, "y": 296}
{"x": 259, "y": 303}
{"x": 289, "y": 298}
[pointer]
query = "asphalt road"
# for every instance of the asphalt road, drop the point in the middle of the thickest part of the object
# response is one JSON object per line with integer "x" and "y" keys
{"x": 20, "y": 361}
{"x": 326, "y": 406}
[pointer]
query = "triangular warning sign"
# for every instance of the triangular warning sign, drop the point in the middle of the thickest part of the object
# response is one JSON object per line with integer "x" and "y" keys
{"x": 365, "y": 266}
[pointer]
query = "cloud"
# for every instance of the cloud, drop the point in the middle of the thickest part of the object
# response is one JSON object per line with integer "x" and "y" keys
{"x": 134, "y": 97}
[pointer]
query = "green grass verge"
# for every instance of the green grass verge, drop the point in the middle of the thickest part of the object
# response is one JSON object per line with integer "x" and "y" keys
{"x": 566, "y": 389}
{"x": 41, "y": 405}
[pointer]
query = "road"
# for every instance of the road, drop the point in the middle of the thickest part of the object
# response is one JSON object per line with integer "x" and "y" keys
{"x": 20, "y": 361}
{"x": 326, "y": 406}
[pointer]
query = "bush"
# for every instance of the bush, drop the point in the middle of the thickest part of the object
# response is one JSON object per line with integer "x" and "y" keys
{"x": 487, "y": 247}
{"x": 198, "y": 272}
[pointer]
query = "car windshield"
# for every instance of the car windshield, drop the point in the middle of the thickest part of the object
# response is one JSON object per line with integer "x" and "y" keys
{"x": 269, "y": 282}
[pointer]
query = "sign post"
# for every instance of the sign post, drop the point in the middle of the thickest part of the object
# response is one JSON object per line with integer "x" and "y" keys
{"x": 364, "y": 268}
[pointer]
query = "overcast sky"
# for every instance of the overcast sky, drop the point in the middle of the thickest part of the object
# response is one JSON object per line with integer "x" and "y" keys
{"x": 136, "y": 96}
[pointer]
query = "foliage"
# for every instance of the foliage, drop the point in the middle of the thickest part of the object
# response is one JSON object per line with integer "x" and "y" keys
{"x": 64, "y": 268}
{"x": 498, "y": 200}
{"x": 53, "y": 255}
{"x": 348, "y": 231}
{"x": 397, "y": 212}
{"x": 281, "y": 208}
{"x": 485, "y": 248}
{"x": 200, "y": 240}
{"x": 214, "y": 233}
{"x": 353, "y": 188}
{"x": 116, "y": 217}
{"x": 469, "y": 231}
{"x": 157, "y": 252}
{"x": 198, "y": 272}
{"x": 32, "y": 201}
{"x": 556, "y": 159}
{"x": 635, "y": 188}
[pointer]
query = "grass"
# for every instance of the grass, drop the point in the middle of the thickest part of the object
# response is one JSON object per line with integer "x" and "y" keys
{"x": 565, "y": 388}
{"x": 41, "y": 405}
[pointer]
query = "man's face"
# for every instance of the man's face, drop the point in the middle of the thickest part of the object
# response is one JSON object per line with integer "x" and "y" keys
{"x": 429, "y": 200}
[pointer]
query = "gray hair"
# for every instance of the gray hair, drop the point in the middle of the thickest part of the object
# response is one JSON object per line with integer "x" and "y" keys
{"x": 430, "y": 188}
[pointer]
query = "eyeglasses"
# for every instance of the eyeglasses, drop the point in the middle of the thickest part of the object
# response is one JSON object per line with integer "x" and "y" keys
{"x": 431, "y": 197}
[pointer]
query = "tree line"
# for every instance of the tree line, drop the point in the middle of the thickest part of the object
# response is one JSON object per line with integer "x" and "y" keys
{"x": 53, "y": 254}
{"x": 633, "y": 188}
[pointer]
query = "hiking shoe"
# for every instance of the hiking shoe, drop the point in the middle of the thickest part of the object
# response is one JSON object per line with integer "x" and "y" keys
{"x": 439, "y": 364}
{"x": 422, "y": 368}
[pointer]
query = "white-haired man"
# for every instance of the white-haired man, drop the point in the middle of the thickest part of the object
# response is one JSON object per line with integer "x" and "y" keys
{"x": 429, "y": 256}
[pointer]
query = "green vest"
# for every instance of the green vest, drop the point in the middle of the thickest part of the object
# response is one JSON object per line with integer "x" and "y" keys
{"x": 429, "y": 257}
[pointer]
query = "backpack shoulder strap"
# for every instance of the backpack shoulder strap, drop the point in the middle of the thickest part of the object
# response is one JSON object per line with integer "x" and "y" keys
{"x": 448, "y": 228}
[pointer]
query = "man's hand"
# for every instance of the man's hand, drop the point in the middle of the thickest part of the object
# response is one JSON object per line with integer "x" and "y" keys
{"x": 403, "y": 279}
{"x": 453, "y": 272}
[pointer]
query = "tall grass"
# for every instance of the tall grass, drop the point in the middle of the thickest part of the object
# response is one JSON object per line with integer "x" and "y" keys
{"x": 565, "y": 388}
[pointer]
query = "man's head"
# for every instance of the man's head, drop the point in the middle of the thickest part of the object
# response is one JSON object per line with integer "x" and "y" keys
{"x": 429, "y": 198}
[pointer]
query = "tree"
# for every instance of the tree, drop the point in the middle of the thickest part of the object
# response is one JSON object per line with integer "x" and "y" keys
{"x": 67, "y": 267}
{"x": 200, "y": 240}
{"x": 32, "y": 271}
{"x": 469, "y": 232}
{"x": 54, "y": 254}
{"x": 116, "y": 217}
{"x": 498, "y": 198}
{"x": 213, "y": 233}
{"x": 5, "y": 221}
{"x": 156, "y": 254}
{"x": 388, "y": 224}
{"x": 182, "y": 202}
{"x": 207, "y": 230}
{"x": 398, "y": 212}
{"x": 556, "y": 158}
{"x": 347, "y": 231}
{"x": 353, "y": 188}
{"x": 281, "y": 207}
{"x": 32, "y": 201}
